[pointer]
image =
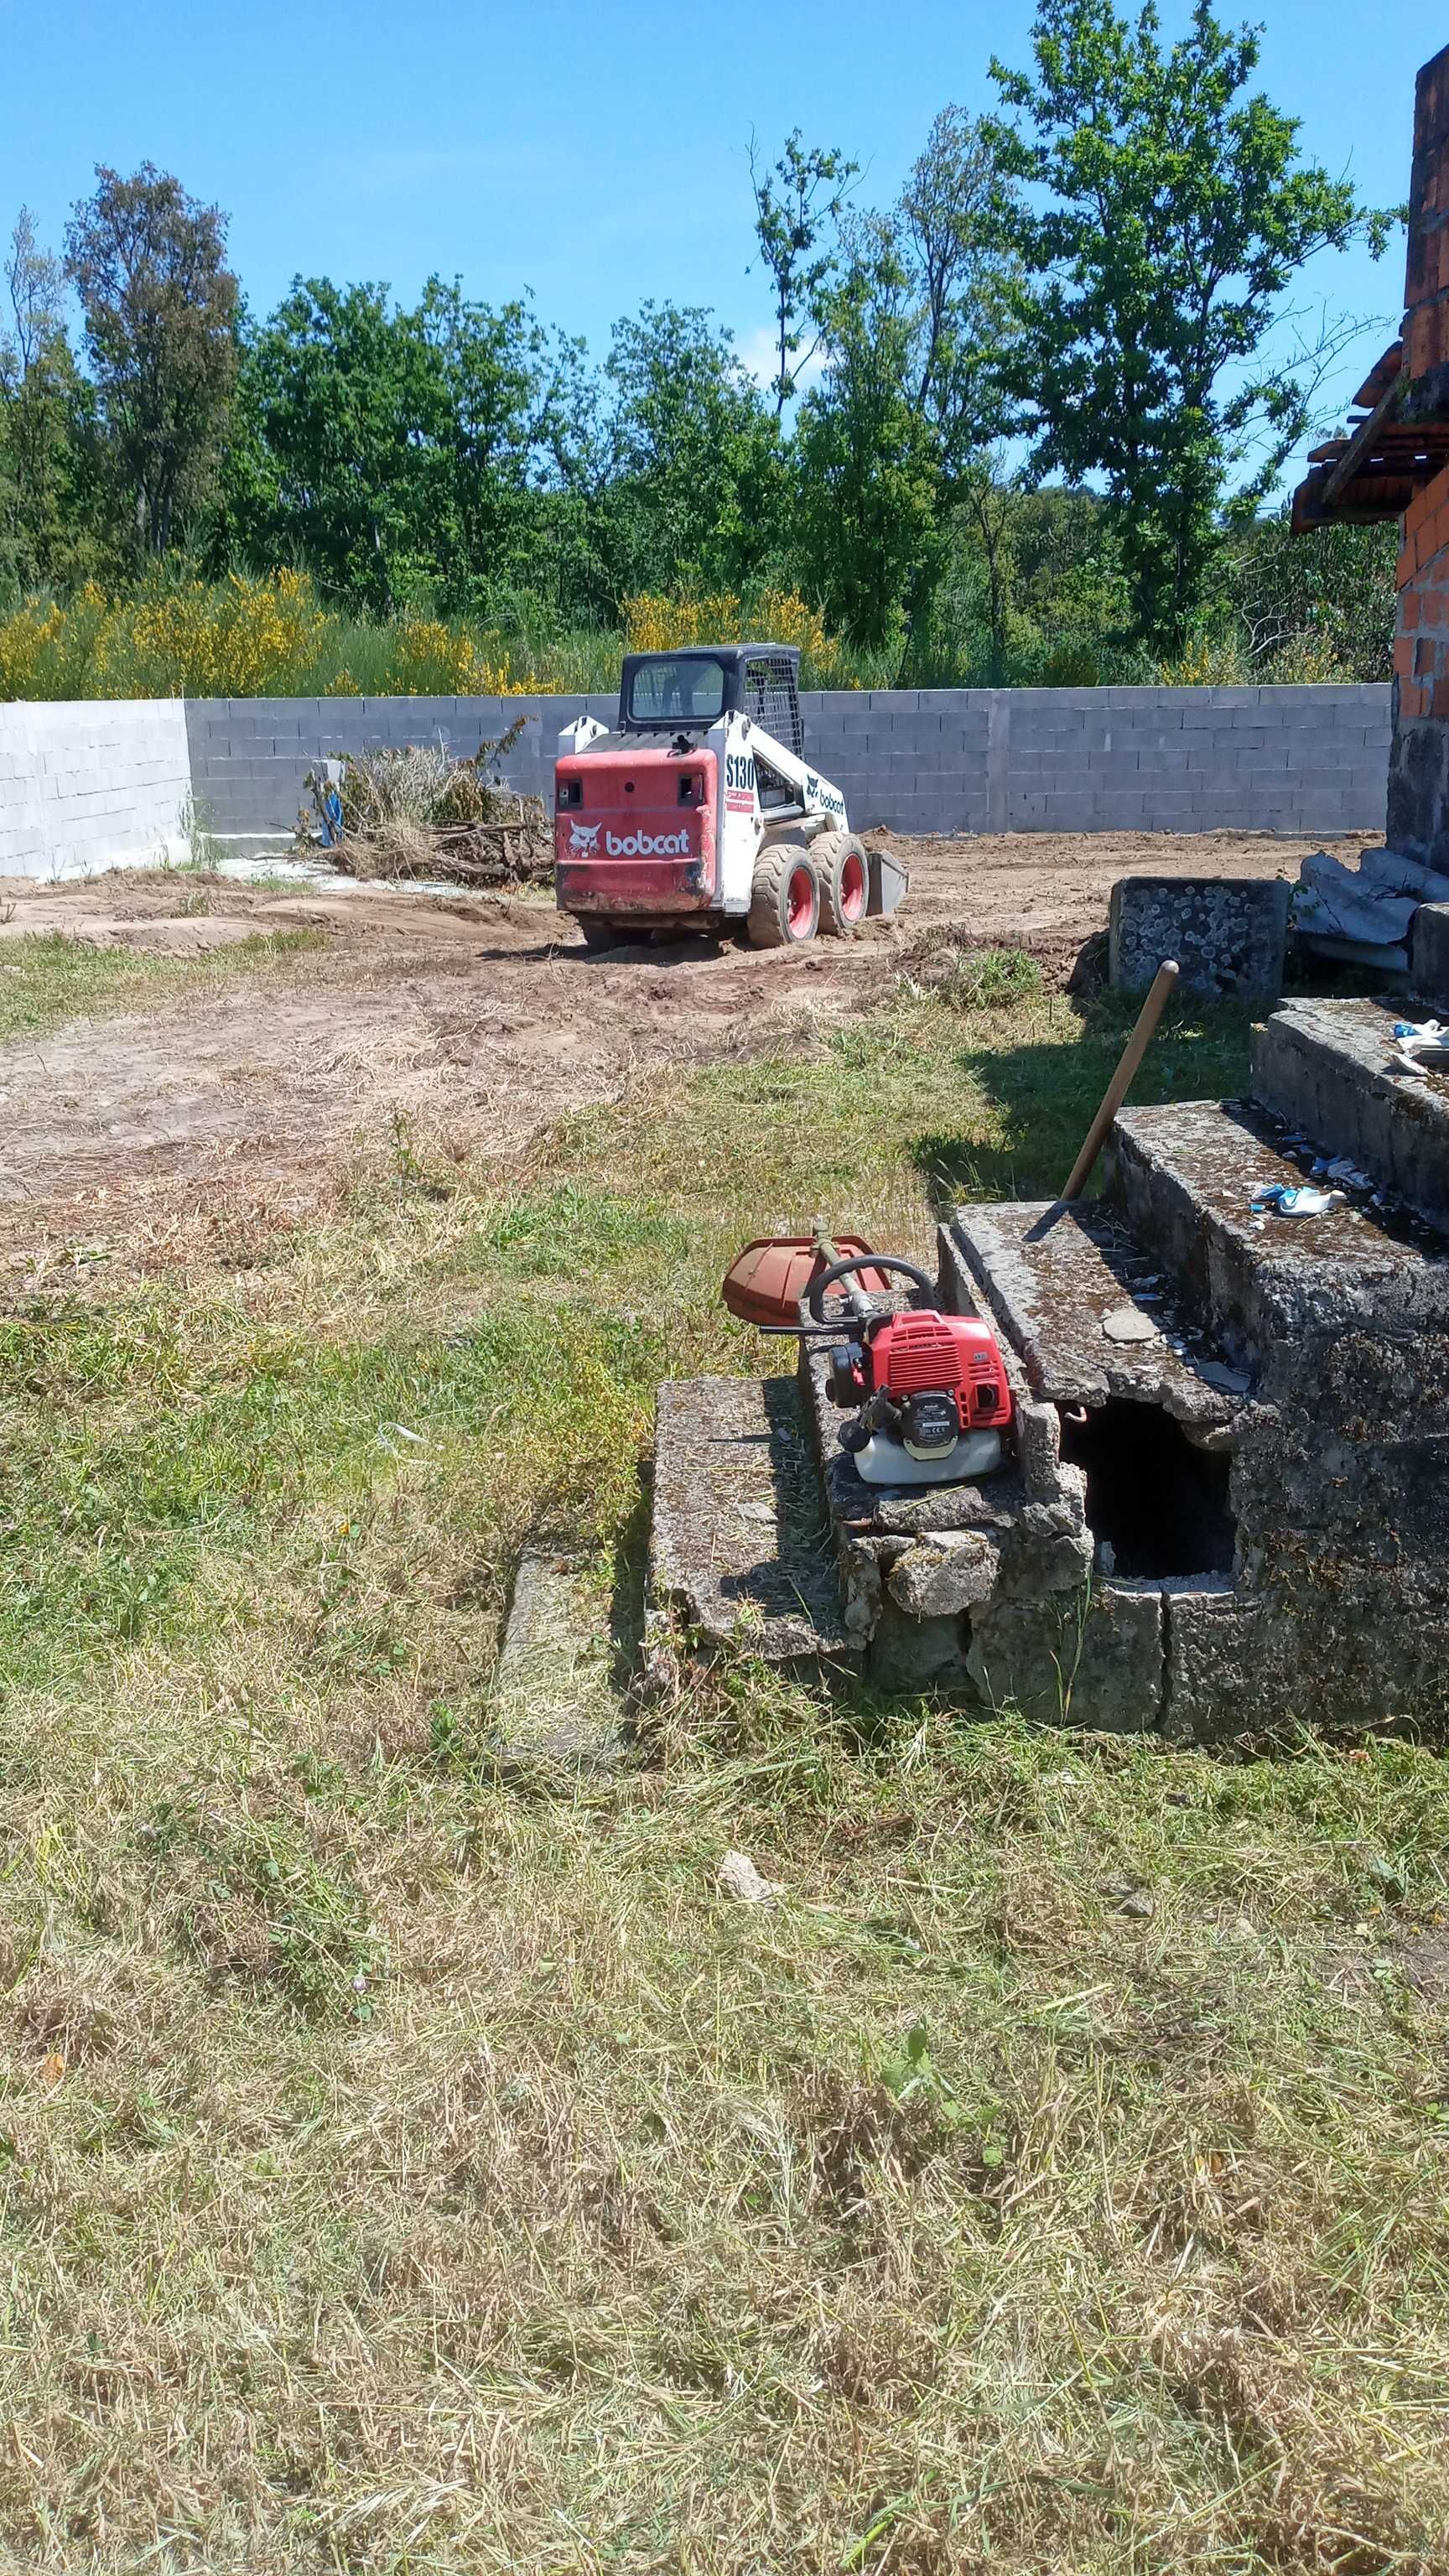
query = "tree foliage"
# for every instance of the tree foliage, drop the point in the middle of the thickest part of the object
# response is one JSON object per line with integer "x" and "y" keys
{"x": 44, "y": 413}
{"x": 386, "y": 448}
{"x": 1171, "y": 210}
{"x": 159, "y": 304}
{"x": 1020, "y": 423}
{"x": 694, "y": 489}
{"x": 794, "y": 223}
{"x": 912, "y": 321}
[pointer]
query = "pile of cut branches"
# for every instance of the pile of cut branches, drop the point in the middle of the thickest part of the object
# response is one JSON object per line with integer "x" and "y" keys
{"x": 414, "y": 811}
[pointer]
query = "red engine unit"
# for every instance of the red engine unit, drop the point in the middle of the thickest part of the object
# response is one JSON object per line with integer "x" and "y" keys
{"x": 953, "y": 1355}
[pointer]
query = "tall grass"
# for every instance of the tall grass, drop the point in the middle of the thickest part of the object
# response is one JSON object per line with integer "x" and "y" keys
{"x": 271, "y": 636}
{"x": 408, "y": 2175}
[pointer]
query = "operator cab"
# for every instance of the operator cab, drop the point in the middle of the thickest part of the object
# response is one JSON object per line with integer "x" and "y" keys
{"x": 690, "y": 689}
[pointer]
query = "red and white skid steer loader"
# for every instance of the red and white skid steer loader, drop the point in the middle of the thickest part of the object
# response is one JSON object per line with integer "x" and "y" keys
{"x": 699, "y": 811}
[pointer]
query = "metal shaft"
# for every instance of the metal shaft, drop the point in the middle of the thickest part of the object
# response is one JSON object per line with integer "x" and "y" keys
{"x": 856, "y": 1297}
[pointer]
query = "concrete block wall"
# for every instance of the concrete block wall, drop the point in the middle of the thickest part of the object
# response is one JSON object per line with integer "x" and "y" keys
{"x": 97, "y": 784}
{"x": 90, "y": 784}
{"x": 1287, "y": 760}
{"x": 250, "y": 756}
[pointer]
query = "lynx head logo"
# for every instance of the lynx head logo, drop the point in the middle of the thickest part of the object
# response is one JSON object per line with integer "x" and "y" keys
{"x": 584, "y": 836}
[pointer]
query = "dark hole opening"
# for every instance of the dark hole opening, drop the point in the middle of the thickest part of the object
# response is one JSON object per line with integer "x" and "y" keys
{"x": 1160, "y": 1504}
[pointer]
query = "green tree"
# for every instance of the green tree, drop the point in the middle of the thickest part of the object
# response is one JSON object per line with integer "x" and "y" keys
{"x": 500, "y": 394}
{"x": 159, "y": 304}
{"x": 690, "y": 483}
{"x": 1330, "y": 598}
{"x": 899, "y": 435}
{"x": 394, "y": 451}
{"x": 948, "y": 227}
{"x": 323, "y": 467}
{"x": 794, "y": 219}
{"x": 1178, "y": 211}
{"x": 869, "y": 465}
{"x": 37, "y": 389}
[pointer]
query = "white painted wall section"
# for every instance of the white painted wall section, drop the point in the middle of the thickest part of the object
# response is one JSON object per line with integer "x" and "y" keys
{"x": 92, "y": 783}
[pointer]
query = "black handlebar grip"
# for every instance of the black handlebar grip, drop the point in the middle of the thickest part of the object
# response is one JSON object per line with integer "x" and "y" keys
{"x": 815, "y": 1294}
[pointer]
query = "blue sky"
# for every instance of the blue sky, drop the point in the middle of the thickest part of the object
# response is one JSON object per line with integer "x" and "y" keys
{"x": 598, "y": 155}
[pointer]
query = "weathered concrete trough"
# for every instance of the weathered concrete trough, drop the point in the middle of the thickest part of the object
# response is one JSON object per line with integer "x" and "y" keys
{"x": 1228, "y": 934}
{"x": 1238, "y": 1518}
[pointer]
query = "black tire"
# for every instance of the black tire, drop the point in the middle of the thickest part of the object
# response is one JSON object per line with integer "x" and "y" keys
{"x": 785, "y": 898}
{"x": 599, "y": 933}
{"x": 843, "y": 867}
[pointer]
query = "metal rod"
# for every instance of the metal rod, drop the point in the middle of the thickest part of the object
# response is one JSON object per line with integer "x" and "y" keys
{"x": 856, "y": 1297}
{"x": 1121, "y": 1082}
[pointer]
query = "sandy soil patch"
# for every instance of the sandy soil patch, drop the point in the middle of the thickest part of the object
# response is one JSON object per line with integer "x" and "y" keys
{"x": 482, "y": 1016}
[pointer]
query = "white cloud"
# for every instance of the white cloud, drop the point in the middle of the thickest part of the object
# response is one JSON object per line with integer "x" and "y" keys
{"x": 758, "y": 354}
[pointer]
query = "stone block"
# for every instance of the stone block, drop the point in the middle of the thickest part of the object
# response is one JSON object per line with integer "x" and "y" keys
{"x": 1350, "y": 1654}
{"x": 944, "y": 1572}
{"x": 909, "y": 1654}
{"x": 1090, "y": 1659}
{"x": 1429, "y": 953}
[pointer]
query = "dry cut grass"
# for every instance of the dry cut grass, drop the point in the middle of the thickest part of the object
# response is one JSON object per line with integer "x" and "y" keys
{"x": 406, "y": 2172}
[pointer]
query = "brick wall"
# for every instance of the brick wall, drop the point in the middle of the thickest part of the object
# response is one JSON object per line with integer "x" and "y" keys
{"x": 1418, "y": 801}
{"x": 1426, "y": 279}
{"x": 91, "y": 784}
{"x": 1289, "y": 760}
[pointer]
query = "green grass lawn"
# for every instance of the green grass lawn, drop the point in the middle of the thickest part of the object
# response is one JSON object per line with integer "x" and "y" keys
{"x": 46, "y": 979}
{"x": 406, "y": 2172}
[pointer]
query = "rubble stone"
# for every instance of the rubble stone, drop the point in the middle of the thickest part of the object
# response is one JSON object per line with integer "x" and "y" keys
{"x": 949, "y": 1573}
{"x": 1228, "y": 934}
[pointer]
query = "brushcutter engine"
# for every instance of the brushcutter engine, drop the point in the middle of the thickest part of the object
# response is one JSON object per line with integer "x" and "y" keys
{"x": 930, "y": 1392}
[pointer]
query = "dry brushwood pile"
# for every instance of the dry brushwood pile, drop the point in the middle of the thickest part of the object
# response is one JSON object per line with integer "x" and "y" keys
{"x": 415, "y": 811}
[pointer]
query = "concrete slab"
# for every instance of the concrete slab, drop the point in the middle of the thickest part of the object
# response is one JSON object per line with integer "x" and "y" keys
{"x": 1050, "y": 1276}
{"x": 1183, "y": 1176}
{"x": 555, "y": 1698}
{"x": 1323, "y": 1067}
{"x": 740, "y": 1542}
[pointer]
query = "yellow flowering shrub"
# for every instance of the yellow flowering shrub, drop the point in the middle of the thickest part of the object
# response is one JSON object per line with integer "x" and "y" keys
{"x": 431, "y": 660}
{"x": 268, "y": 635}
{"x": 654, "y": 624}
{"x": 240, "y": 638}
{"x": 26, "y": 640}
{"x": 1204, "y": 665}
{"x": 243, "y": 638}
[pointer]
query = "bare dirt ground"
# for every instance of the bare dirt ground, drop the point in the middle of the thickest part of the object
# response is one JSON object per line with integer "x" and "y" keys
{"x": 479, "y": 1016}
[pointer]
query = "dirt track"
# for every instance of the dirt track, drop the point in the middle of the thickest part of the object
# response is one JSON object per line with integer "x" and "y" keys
{"x": 477, "y": 1016}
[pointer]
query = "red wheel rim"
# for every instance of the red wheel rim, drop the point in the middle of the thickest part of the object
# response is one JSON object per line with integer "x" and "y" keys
{"x": 852, "y": 888}
{"x": 800, "y": 903}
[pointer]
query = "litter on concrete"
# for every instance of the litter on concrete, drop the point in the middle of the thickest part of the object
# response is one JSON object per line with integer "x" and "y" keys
{"x": 1419, "y": 1047}
{"x": 1277, "y": 1199}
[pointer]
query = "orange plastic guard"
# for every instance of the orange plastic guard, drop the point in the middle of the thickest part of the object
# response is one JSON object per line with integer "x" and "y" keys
{"x": 765, "y": 1282}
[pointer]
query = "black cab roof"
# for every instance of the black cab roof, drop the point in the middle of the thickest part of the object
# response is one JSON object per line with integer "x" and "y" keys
{"x": 728, "y": 653}
{"x": 756, "y": 680}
